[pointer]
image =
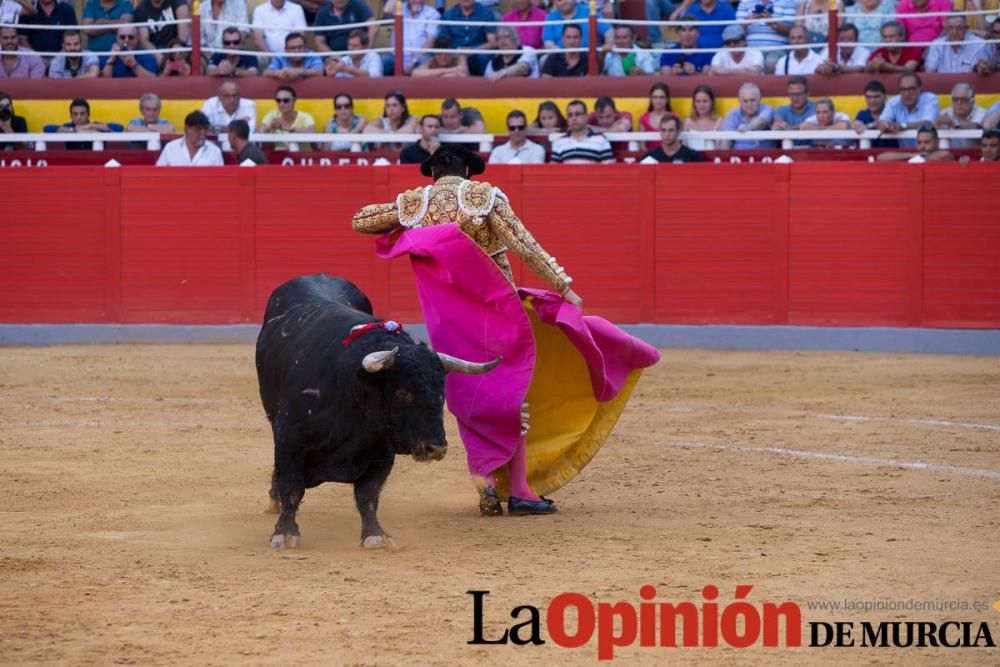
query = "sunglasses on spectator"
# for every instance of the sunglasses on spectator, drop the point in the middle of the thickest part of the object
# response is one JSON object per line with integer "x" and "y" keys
{"x": 516, "y": 128}
{"x": 233, "y": 43}
{"x": 284, "y": 100}
{"x": 342, "y": 106}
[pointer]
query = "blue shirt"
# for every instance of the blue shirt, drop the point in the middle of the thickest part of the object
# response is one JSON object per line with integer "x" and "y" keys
{"x": 355, "y": 12}
{"x": 865, "y": 116}
{"x": 710, "y": 36}
{"x": 93, "y": 10}
{"x": 463, "y": 36}
{"x": 553, "y": 33}
{"x": 735, "y": 118}
{"x": 120, "y": 71}
{"x": 925, "y": 111}
{"x": 673, "y": 56}
{"x": 787, "y": 114}
{"x": 310, "y": 61}
{"x": 49, "y": 40}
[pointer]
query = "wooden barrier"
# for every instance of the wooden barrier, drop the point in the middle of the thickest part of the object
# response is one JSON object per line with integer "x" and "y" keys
{"x": 805, "y": 243}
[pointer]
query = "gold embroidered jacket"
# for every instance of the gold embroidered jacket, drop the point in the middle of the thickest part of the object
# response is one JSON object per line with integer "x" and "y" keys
{"x": 482, "y": 213}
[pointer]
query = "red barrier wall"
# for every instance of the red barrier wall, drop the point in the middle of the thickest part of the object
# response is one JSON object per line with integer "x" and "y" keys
{"x": 806, "y": 243}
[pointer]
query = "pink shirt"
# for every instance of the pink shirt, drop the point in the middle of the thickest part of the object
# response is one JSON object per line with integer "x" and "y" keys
{"x": 921, "y": 29}
{"x": 26, "y": 66}
{"x": 531, "y": 35}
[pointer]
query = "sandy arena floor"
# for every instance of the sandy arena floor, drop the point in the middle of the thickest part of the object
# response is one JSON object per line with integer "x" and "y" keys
{"x": 135, "y": 477}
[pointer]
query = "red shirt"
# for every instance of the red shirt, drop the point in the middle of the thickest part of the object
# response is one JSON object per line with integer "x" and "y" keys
{"x": 907, "y": 54}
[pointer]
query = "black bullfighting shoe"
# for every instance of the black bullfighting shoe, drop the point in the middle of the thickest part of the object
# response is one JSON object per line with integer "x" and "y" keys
{"x": 519, "y": 507}
{"x": 489, "y": 502}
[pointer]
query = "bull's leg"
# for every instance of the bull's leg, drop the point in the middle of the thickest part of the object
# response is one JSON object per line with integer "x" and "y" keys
{"x": 366, "y": 492}
{"x": 273, "y": 504}
{"x": 289, "y": 482}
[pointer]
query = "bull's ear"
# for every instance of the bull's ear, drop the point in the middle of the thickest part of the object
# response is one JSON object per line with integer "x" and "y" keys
{"x": 379, "y": 361}
{"x": 456, "y": 365}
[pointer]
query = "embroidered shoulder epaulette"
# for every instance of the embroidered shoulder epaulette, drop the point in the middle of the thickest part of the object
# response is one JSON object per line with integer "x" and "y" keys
{"x": 411, "y": 206}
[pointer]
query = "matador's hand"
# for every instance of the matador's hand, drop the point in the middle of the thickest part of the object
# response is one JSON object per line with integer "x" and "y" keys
{"x": 573, "y": 298}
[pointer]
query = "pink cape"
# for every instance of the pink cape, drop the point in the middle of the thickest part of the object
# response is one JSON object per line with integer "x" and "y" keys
{"x": 472, "y": 312}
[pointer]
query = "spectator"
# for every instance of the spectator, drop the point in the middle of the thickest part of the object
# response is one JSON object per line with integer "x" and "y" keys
{"x": 910, "y": 108}
{"x": 569, "y": 63}
{"x": 850, "y": 59}
{"x": 16, "y": 61}
{"x": 607, "y": 118}
{"x": 415, "y": 153}
{"x": 127, "y": 65}
{"x": 716, "y": 13}
{"x": 658, "y": 107}
{"x": 344, "y": 121}
{"x": 801, "y": 59}
{"x": 989, "y": 145}
{"x": 827, "y": 118}
{"x": 958, "y": 51}
{"x": 554, "y": 36}
{"x": 629, "y": 59}
{"x": 867, "y": 118}
{"x": 471, "y": 36}
{"x": 239, "y": 139}
{"x": 581, "y": 145}
{"x": 748, "y": 61}
{"x": 73, "y": 62}
{"x": 791, "y": 116}
{"x": 986, "y": 67}
{"x": 443, "y": 63}
{"x": 232, "y": 64}
{"x": 750, "y": 116}
{"x": 658, "y": 10}
{"x": 49, "y": 13}
{"x": 893, "y": 58}
{"x": 216, "y": 18}
{"x": 105, "y": 15}
{"x": 519, "y": 148}
{"x": 703, "y": 116}
{"x": 228, "y": 106}
{"x": 157, "y": 33}
{"x": 525, "y": 10}
{"x": 680, "y": 60}
{"x": 963, "y": 114}
{"x": 992, "y": 117}
{"x": 10, "y": 123}
{"x": 395, "y": 118}
{"x": 764, "y": 35}
{"x": 813, "y": 15}
{"x": 504, "y": 65}
{"x": 548, "y": 120}
{"x": 671, "y": 149}
{"x": 302, "y": 65}
{"x": 150, "y": 121}
{"x": 193, "y": 149}
{"x": 920, "y": 28}
{"x": 927, "y": 148}
{"x": 457, "y": 120}
{"x": 417, "y": 35}
{"x": 11, "y": 11}
{"x": 273, "y": 21}
{"x": 342, "y": 12}
{"x": 79, "y": 121}
{"x": 286, "y": 119}
{"x": 178, "y": 62}
{"x": 357, "y": 63}
{"x": 868, "y": 15}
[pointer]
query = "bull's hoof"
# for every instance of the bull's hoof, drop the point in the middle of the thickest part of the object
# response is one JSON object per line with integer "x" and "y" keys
{"x": 273, "y": 507}
{"x": 489, "y": 502}
{"x": 379, "y": 542}
{"x": 281, "y": 541}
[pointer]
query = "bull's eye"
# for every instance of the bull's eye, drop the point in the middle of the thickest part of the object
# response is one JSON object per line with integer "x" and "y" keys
{"x": 404, "y": 396}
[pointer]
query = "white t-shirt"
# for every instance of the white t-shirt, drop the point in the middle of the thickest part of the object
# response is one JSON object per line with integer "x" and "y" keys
{"x": 276, "y": 23}
{"x": 752, "y": 58}
{"x": 220, "y": 118}
{"x": 529, "y": 153}
{"x": 789, "y": 64}
{"x": 838, "y": 117}
{"x": 175, "y": 154}
{"x": 859, "y": 56}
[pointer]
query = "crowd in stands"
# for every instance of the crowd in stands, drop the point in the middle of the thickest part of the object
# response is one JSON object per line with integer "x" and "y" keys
{"x": 291, "y": 40}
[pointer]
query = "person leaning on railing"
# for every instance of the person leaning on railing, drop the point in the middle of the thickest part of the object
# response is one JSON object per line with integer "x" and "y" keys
{"x": 79, "y": 121}
{"x": 127, "y": 65}
{"x": 963, "y": 114}
{"x": 957, "y": 51}
{"x": 505, "y": 65}
{"x": 358, "y": 63}
{"x": 892, "y": 57}
{"x": 442, "y": 63}
{"x": 303, "y": 64}
{"x": 150, "y": 106}
{"x": 232, "y": 64}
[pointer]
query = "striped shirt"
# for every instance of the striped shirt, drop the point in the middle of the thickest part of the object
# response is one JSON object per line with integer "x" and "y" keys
{"x": 762, "y": 35}
{"x": 594, "y": 147}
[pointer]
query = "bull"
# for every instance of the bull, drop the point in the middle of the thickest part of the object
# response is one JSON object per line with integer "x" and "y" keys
{"x": 345, "y": 392}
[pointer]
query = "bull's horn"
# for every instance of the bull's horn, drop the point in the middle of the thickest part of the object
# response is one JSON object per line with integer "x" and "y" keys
{"x": 379, "y": 361}
{"x": 456, "y": 365}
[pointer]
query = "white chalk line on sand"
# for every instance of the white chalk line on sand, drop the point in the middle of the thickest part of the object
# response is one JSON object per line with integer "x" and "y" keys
{"x": 843, "y": 458}
{"x": 925, "y": 422}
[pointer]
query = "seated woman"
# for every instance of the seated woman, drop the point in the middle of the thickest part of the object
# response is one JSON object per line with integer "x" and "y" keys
{"x": 344, "y": 121}
{"x": 443, "y": 64}
{"x": 548, "y": 120}
{"x": 286, "y": 119}
{"x": 395, "y": 119}
{"x": 703, "y": 116}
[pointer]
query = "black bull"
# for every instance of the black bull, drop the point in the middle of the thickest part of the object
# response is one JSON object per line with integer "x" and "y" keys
{"x": 340, "y": 413}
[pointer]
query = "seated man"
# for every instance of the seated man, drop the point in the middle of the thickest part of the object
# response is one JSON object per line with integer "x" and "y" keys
{"x": 193, "y": 149}
{"x": 910, "y": 108}
{"x": 505, "y": 65}
{"x": 554, "y": 35}
{"x": 867, "y": 118}
{"x": 239, "y": 139}
{"x": 73, "y": 62}
{"x": 801, "y": 59}
{"x": 16, "y": 61}
{"x": 158, "y": 33}
{"x": 150, "y": 121}
{"x": 927, "y": 149}
{"x": 581, "y": 144}
{"x": 357, "y": 63}
{"x": 232, "y": 64}
{"x": 526, "y": 10}
{"x": 680, "y": 60}
{"x": 415, "y": 153}
{"x": 629, "y": 59}
{"x": 850, "y": 59}
{"x": 273, "y": 20}
{"x": 827, "y": 118}
{"x": 750, "y": 61}
{"x": 713, "y": 15}
{"x": 456, "y": 119}
{"x": 749, "y": 116}
{"x": 228, "y": 106}
{"x": 79, "y": 115}
{"x": 471, "y": 36}
{"x": 963, "y": 114}
{"x": 128, "y": 65}
{"x": 893, "y": 58}
{"x": 989, "y": 146}
{"x": 570, "y": 63}
{"x": 519, "y": 149}
{"x": 342, "y": 12}
{"x": 607, "y": 118}
{"x": 957, "y": 51}
{"x": 102, "y": 18}
{"x": 791, "y": 116}
{"x": 47, "y": 13}
{"x": 442, "y": 63}
{"x": 671, "y": 149}
{"x": 417, "y": 34}
{"x": 303, "y": 64}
